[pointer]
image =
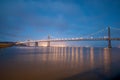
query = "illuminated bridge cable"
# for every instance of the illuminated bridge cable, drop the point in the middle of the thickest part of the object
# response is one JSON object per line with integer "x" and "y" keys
{"x": 98, "y": 32}
{"x": 61, "y": 38}
{"x": 94, "y": 33}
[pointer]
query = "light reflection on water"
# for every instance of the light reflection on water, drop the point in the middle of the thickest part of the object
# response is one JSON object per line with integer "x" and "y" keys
{"x": 58, "y": 63}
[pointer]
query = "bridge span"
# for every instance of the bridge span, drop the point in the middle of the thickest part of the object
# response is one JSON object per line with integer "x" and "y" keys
{"x": 108, "y": 39}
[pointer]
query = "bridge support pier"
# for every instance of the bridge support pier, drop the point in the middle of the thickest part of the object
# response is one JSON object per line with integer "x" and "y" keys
{"x": 48, "y": 43}
{"x": 36, "y": 44}
{"x": 109, "y": 38}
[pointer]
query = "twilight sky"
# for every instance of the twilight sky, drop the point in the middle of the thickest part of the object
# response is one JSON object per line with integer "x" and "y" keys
{"x": 35, "y": 19}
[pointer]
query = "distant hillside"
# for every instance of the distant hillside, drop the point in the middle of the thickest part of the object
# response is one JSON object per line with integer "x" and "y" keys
{"x": 6, "y": 44}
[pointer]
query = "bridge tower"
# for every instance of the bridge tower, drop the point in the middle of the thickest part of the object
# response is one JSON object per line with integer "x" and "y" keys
{"x": 109, "y": 38}
{"x": 48, "y": 43}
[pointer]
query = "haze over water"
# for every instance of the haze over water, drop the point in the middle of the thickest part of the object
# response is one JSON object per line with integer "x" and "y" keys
{"x": 59, "y": 63}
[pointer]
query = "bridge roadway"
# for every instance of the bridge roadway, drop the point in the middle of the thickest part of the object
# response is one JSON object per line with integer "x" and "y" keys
{"x": 77, "y": 39}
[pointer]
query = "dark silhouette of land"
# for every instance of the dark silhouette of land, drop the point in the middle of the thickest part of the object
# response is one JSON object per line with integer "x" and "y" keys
{"x": 6, "y": 44}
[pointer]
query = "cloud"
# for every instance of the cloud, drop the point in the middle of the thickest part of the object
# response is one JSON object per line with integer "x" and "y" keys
{"x": 34, "y": 12}
{"x": 72, "y": 16}
{"x": 10, "y": 35}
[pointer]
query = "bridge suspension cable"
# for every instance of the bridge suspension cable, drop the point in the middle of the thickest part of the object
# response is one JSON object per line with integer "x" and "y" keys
{"x": 98, "y": 32}
{"x": 115, "y": 28}
{"x": 92, "y": 34}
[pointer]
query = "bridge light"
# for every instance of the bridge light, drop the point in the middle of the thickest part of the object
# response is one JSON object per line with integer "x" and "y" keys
{"x": 91, "y": 37}
{"x": 81, "y": 37}
{"x": 105, "y": 36}
{"x": 77, "y": 38}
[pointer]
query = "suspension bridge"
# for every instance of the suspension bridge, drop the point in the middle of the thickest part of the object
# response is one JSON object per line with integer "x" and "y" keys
{"x": 107, "y": 38}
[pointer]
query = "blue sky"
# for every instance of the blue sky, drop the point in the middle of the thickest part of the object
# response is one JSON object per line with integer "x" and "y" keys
{"x": 35, "y": 19}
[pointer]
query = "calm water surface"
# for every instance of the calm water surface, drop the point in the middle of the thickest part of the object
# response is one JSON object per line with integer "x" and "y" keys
{"x": 59, "y": 63}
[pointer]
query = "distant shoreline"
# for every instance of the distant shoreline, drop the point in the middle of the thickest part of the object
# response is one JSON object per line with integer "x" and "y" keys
{"x": 4, "y": 45}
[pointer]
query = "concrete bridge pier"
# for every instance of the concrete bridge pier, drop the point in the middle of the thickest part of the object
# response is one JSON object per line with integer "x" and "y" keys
{"x": 36, "y": 44}
{"x": 48, "y": 43}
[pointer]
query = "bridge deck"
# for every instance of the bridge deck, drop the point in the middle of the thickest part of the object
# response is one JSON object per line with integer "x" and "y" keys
{"x": 85, "y": 39}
